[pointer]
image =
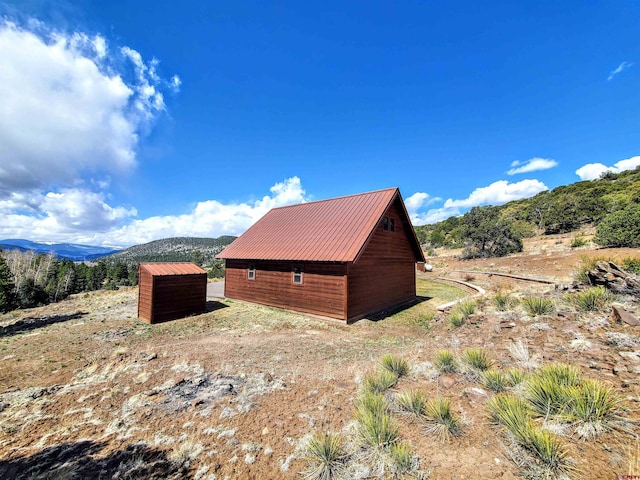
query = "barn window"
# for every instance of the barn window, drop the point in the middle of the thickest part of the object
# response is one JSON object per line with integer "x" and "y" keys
{"x": 297, "y": 275}
{"x": 392, "y": 225}
{"x": 251, "y": 273}
{"x": 385, "y": 223}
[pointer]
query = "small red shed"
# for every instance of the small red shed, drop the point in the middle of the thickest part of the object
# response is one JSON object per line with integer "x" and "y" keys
{"x": 168, "y": 291}
{"x": 343, "y": 257}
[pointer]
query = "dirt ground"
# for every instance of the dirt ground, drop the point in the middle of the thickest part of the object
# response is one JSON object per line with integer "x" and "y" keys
{"x": 88, "y": 391}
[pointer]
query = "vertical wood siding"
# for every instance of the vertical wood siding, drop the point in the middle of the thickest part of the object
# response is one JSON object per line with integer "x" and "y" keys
{"x": 322, "y": 291}
{"x": 169, "y": 297}
{"x": 384, "y": 275}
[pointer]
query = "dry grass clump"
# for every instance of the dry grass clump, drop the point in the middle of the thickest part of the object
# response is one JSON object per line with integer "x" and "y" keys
{"x": 520, "y": 353}
{"x": 445, "y": 362}
{"x": 535, "y": 306}
{"x": 326, "y": 457}
{"x": 594, "y": 299}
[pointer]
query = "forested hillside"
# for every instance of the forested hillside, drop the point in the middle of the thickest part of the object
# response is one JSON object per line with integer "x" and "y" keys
{"x": 201, "y": 251}
{"x": 611, "y": 203}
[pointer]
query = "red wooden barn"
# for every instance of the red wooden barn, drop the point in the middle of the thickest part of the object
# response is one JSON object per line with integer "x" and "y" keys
{"x": 343, "y": 257}
{"x": 167, "y": 291}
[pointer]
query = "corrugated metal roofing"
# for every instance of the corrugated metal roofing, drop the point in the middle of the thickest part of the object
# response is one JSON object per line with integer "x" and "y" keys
{"x": 333, "y": 230}
{"x": 171, "y": 268}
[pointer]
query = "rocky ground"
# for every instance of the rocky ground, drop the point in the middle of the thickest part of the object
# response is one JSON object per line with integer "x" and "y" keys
{"x": 87, "y": 391}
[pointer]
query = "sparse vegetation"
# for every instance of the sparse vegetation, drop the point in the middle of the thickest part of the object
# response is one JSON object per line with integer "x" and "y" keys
{"x": 494, "y": 380}
{"x": 592, "y": 408}
{"x": 461, "y": 312}
{"x": 456, "y": 318}
{"x": 402, "y": 458}
{"x": 515, "y": 376}
{"x": 376, "y": 429}
{"x": 379, "y": 382}
{"x": 535, "y": 306}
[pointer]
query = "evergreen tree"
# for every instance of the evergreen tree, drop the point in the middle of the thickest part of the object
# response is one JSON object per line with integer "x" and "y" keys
{"x": 7, "y": 287}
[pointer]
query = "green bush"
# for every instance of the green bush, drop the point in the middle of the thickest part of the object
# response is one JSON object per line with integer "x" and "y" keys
{"x": 504, "y": 301}
{"x": 445, "y": 362}
{"x": 594, "y": 299}
{"x": 379, "y": 382}
{"x": 511, "y": 412}
{"x": 494, "y": 380}
{"x": 441, "y": 420}
{"x": 412, "y": 401}
{"x": 477, "y": 359}
{"x": 398, "y": 366}
{"x": 592, "y": 407}
{"x": 620, "y": 228}
{"x": 456, "y": 318}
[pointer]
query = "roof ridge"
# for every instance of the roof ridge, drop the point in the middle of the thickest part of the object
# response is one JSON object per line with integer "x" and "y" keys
{"x": 336, "y": 198}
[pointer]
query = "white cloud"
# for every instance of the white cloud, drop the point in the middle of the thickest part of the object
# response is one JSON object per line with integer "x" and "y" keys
{"x": 619, "y": 69}
{"x": 416, "y": 202}
{"x": 532, "y": 165}
{"x": 67, "y": 111}
{"x": 497, "y": 193}
{"x": 82, "y": 216}
{"x": 592, "y": 171}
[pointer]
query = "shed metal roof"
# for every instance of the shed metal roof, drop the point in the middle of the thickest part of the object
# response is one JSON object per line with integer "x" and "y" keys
{"x": 333, "y": 230}
{"x": 171, "y": 268}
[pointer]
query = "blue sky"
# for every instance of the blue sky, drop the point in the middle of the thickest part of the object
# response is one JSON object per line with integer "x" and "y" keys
{"x": 124, "y": 122}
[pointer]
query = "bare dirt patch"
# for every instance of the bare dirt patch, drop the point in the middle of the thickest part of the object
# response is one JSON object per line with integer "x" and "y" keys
{"x": 89, "y": 391}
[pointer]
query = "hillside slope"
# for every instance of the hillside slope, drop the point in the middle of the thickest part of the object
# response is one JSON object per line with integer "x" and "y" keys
{"x": 178, "y": 249}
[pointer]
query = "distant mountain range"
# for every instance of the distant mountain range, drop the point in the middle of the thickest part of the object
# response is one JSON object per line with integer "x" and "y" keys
{"x": 71, "y": 251}
{"x": 178, "y": 249}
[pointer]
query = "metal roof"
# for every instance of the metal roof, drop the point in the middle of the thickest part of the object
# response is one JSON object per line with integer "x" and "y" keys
{"x": 333, "y": 230}
{"x": 171, "y": 268}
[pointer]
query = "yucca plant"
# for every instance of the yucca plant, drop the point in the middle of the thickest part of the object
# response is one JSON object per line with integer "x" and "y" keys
{"x": 379, "y": 382}
{"x": 441, "y": 420}
{"x": 592, "y": 407}
{"x": 477, "y": 359}
{"x": 401, "y": 458}
{"x": 549, "y": 449}
{"x": 535, "y": 306}
{"x": 412, "y": 401}
{"x": 515, "y": 376}
{"x": 494, "y": 380}
{"x": 504, "y": 301}
{"x": 398, "y": 366}
{"x": 548, "y": 390}
{"x": 593, "y": 299}
{"x": 456, "y": 318}
{"x": 512, "y": 413}
{"x": 369, "y": 402}
{"x": 376, "y": 430}
{"x": 445, "y": 362}
{"x": 326, "y": 457}
{"x": 467, "y": 307}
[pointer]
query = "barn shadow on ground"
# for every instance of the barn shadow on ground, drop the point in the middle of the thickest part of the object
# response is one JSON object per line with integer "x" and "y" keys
{"x": 82, "y": 460}
{"x": 33, "y": 323}
{"x": 213, "y": 305}
{"x": 379, "y": 316}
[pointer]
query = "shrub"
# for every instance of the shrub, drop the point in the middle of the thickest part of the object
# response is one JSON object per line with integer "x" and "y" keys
{"x": 398, "y": 366}
{"x": 631, "y": 264}
{"x": 376, "y": 430}
{"x": 535, "y": 306}
{"x": 494, "y": 380}
{"x": 445, "y": 362}
{"x": 620, "y": 228}
{"x": 412, "y": 401}
{"x": 578, "y": 241}
{"x": 441, "y": 420}
{"x": 548, "y": 391}
{"x": 326, "y": 456}
{"x": 593, "y": 299}
{"x": 379, "y": 382}
{"x": 551, "y": 451}
{"x": 592, "y": 407}
{"x": 368, "y": 402}
{"x": 468, "y": 307}
{"x": 477, "y": 359}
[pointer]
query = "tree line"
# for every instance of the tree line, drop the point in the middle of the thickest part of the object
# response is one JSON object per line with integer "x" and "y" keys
{"x": 28, "y": 279}
{"x": 611, "y": 203}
